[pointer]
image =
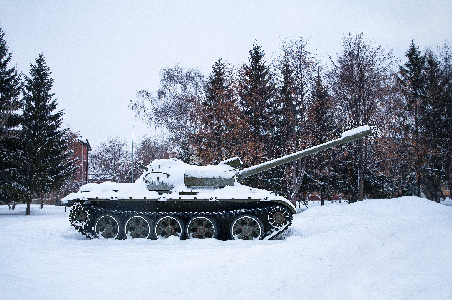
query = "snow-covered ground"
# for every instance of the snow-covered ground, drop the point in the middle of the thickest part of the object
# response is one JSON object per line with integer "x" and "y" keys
{"x": 375, "y": 249}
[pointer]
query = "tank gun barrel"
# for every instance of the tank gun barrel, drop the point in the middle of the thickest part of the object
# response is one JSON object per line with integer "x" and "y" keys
{"x": 346, "y": 137}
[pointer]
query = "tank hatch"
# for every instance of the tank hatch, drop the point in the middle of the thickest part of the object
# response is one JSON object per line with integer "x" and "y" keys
{"x": 210, "y": 176}
{"x": 214, "y": 182}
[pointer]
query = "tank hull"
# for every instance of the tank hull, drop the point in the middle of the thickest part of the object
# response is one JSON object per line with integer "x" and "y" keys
{"x": 274, "y": 216}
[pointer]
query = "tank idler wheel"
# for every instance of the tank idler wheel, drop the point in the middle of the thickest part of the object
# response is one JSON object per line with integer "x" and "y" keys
{"x": 107, "y": 226}
{"x": 168, "y": 226}
{"x": 247, "y": 227}
{"x": 279, "y": 217}
{"x": 202, "y": 227}
{"x": 79, "y": 215}
{"x": 138, "y": 227}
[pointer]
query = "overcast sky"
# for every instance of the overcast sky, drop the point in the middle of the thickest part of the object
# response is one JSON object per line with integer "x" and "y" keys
{"x": 102, "y": 52}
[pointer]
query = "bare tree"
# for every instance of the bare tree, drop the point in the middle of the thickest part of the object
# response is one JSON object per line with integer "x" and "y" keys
{"x": 295, "y": 69}
{"x": 174, "y": 106}
{"x": 111, "y": 161}
{"x": 149, "y": 150}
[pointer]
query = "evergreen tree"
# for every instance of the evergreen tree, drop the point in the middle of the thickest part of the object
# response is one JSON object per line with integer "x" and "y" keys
{"x": 10, "y": 104}
{"x": 321, "y": 127}
{"x": 435, "y": 126}
{"x": 256, "y": 92}
{"x": 46, "y": 161}
{"x": 321, "y": 120}
{"x": 285, "y": 126}
{"x": 425, "y": 85}
{"x": 412, "y": 82}
{"x": 445, "y": 106}
{"x": 432, "y": 116}
{"x": 218, "y": 136}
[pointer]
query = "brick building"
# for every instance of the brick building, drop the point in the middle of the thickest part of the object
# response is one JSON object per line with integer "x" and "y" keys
{"x": 81, "y": 152}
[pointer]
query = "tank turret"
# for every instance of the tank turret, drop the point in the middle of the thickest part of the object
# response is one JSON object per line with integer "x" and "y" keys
{"x": 172, "y": 198}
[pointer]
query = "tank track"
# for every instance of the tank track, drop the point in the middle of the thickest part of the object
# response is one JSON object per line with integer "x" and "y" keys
{"x": 83, "y": 218}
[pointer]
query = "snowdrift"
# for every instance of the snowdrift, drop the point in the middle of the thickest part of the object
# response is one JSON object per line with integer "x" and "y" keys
{"x": 375, "y": 249}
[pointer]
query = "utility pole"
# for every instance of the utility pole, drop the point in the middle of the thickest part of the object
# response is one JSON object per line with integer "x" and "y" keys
{"x": 133, "y": 136}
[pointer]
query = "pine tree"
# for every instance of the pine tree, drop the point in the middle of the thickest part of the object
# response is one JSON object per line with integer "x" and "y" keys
{"x": 256, "y": 92}
{"x": 435, "y": 126}
{"x": 46, "y": 161}
{"x": 431, "y": 119}
{"x": 10, "y": 104}
{"x": 218, "y": 136}
{"x": 284, "y": 137}
{"x": 445, "y": 106}
{"x": 412, "y": 82}
{"x": 425, "y": 83}
{"x": 321, "y": 127}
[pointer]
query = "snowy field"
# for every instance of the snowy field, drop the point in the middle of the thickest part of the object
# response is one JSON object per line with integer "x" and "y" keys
{"x": 376, "y": 249}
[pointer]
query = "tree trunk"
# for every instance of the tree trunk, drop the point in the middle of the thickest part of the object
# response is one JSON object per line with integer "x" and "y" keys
{"x": 297, "y": 179}
{"x": 361, "y": 171}
{"x": 27, "y": 212}
{"x": 42, "y": 201}
{"x": 417, "y": 152}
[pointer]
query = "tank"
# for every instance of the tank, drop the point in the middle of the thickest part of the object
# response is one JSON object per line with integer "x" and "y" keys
{"x": 175, "y": 199}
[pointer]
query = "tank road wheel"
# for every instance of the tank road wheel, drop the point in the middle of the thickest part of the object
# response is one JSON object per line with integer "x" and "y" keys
{"x": 202, "y": 228}
{"x": 247, "y": 227}
{"x": 138, "y": 227}
{"x": 168, "y": 226}
{"x": 107, "y": 226}
{"x": 279, "y": 217}
{"x": 79, "y": 216}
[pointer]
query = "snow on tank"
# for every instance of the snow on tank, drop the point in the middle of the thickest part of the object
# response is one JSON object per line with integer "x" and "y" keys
{"x": 165, "y": 174}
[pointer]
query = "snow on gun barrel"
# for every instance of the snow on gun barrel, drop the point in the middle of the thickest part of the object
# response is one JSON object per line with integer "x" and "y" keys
{"x": 173, "y": 198}
{"x": 346, "y": 137}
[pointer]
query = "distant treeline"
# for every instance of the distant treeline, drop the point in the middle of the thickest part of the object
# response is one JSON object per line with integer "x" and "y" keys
{"x": 258, "y": 111}
{"x": 263, "y": 110}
